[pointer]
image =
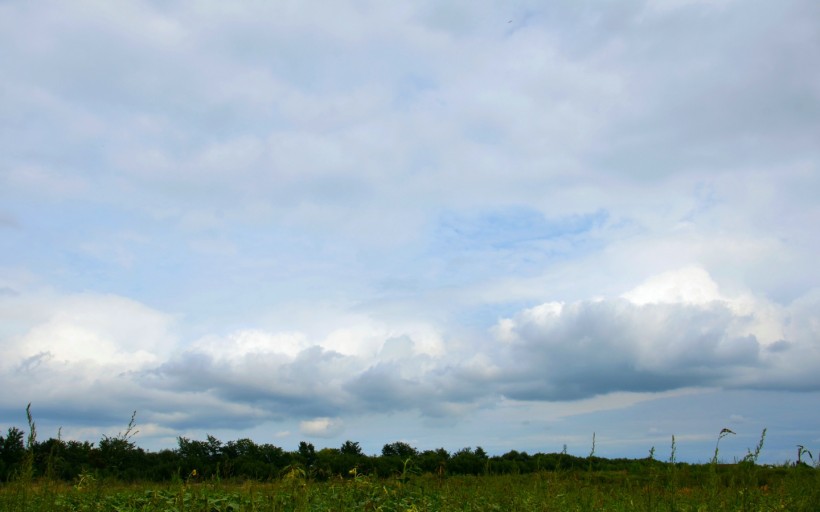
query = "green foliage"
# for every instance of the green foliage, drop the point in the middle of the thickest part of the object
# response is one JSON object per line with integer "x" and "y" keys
{"x": 307, "y": 453}
{"x": 350, "y": 448}
{"x": 469, "y": 462}
{"x": 786, "y": 488}
{"x": 399, "y": 449}
{"x": 12, "y": 452}
{"x": 210, "y": 475}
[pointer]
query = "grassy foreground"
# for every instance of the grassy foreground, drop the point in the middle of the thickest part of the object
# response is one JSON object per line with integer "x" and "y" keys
{"x": 662, "y": 487}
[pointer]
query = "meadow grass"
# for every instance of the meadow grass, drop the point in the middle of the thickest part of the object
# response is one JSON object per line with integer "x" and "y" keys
{"x": 646, "y": 485}
{"x": 687, "y": 488}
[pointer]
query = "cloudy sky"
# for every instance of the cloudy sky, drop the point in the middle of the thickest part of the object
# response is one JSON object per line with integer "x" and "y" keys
{"x": 507, "y": 224}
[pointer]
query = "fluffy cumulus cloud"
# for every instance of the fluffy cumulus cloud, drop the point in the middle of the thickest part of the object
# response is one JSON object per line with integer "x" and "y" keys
{"x": 289, "y": 217}
{"x": 77, "y": 354}
{"x": 320, "y": 427}
{"x": 674, "y": 331}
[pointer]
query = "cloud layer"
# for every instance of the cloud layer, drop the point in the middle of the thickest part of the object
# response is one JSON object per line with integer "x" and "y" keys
{"x": 300, "y": 215}
{"x": 676, "y": 331}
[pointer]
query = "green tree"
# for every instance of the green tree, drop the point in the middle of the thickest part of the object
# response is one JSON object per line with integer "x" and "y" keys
{"x": 307, "y": 453}
{"x": 12, "y": 452}
{"x": 434, "y": 461}
{"x": 77, "y": 457}
{"x": 351, "y": 448}
{"x": 119, "y": 453}
{"x": 399, "y": 449}
{"x": 469, "y": 462}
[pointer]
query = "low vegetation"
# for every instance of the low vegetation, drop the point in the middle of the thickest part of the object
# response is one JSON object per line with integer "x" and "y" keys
{"x": 212, "y": 476}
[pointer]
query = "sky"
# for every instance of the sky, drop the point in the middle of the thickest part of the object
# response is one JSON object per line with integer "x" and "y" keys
{"x": 513, "y": 225}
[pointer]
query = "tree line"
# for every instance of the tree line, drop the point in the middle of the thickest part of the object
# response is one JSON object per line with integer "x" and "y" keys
{"x": 118, "y": 457}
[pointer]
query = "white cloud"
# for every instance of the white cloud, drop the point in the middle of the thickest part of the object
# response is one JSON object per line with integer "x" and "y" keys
{"x": 103, "y": 330}
{"x": 321, "y": 427}
{"x": 678, "y": 330}
{"x": 251, "y": 343}
{"x": 254, "y": 213}
{"x": 675, "y": 330}
{"x": 686, "y": 286}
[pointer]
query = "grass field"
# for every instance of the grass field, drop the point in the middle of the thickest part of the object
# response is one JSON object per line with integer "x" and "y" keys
{"x": 664, "y": 487}
{"x": 571, "y": 484}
